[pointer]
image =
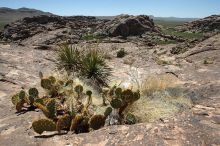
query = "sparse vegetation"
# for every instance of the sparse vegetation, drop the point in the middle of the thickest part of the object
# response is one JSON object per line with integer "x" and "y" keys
{"x": 165, "y": 42}
{"x": 89, "y": 64}
{"x": 168, "y": 24}
{"x": 2, "y": 24}
{"x": 89, "y": 37}
{"x": 162, "y": 62}
{"x": 208, "y": 61}
{"x": 178, "y": 49}
{"x": 121, "y": 53}
{"x": 185, "y": 35}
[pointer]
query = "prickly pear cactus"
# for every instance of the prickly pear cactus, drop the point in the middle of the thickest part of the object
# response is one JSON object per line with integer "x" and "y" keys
{"x": 63, "y": 122}
{"x": 42, "y": 125}
{"x": 52, "y": 79}
{"x": 22, "y": 95}
{"x": 136, "y": 96}
{"x": 19, "y": 105}
{"x": 15, "y": 99}
{"x": 76, "y": 121}
{"x": 130, "y": 119}
{"x": 108, "y": 111}
{"x": 33, "y": 92}
{"x": 118, "y": 92}
{"x": 51, "y": 107}
{"x": 116, "y": 103}
{"x": 89, "y": 100}
{"x": 127, "y": 95}
{"x": 46, "y": 83}
{"x": 79, "y": 89}
{"x": 97, "y": 121}
{"x": 18, "y": 100}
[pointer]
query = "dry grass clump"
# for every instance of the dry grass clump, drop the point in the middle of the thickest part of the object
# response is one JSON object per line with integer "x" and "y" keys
{"x": 158, "y": 83}
{"x": 162, "y": 96}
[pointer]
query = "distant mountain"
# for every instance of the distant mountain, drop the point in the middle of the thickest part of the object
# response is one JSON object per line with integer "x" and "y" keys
{"x": 174, "y": 19}
{"x": 8, "y": 15}
{"x": 157, "y": 18}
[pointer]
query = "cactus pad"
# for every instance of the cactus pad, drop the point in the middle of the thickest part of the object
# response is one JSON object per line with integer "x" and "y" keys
{"x": 76, "y": 121}
{"x": 69, "y": 82}
{"x": 89, "y": 93}
{"x": 63, "y": 123}
{"x": 22, "y": 94}
{"x": 136, "y": 96}
{"x": 15, "y": 99}
{"x": 19, "y": 105}
{"x": 108, "y": 111}
{"x": 79, "y": 89}
{"x": 46, "y": 83}
{"x": 97, "y": 121}
{"x": 51, "y": 107}
{"x": 42, "y": 125}
{"x": 127, "y": 95}
{"x": 118, "y": 92}
{"x": 116, "y": 103}
{"x": 52, "y": 79}
{"x": 33, "y": 92}
{"x": 130, "y": 119}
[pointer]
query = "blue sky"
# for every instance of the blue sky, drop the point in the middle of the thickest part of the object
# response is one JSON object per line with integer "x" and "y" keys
{"x": 165, "y": 8}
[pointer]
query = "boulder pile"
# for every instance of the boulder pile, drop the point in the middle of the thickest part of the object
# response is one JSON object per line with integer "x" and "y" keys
{"x": 127, "y": 25}
{"x": 55, "y": 29}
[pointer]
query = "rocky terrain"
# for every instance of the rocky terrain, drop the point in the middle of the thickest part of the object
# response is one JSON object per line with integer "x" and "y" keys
{"x": 28, "y": 45}
{"x": 208, "y": 24}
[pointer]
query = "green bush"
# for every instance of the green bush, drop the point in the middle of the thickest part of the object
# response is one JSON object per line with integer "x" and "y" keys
{"x": 121, "y": 53}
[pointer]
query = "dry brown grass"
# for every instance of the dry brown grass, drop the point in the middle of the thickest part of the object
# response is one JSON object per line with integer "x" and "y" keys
{"x": 162, "y": 96}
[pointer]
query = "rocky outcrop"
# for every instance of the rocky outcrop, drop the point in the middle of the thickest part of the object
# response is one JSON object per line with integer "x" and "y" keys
{"x": 55, "y": 29}
{"x": 126, "y": 25}
{"x": 29, "y": 27}
{"x": 208, "y": 24}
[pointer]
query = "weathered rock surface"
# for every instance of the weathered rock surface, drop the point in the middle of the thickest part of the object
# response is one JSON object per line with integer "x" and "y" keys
{"x": 198, "y": 126}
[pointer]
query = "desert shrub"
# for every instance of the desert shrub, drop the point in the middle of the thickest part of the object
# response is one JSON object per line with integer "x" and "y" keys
{"x": 121, "y": 53}
{"x": 161, "y": 96}
{"x": 89, "y": 37}
{"x": 89, "y": 64}
{"x": 208, "y": 61}
{"x": 178, "y": 49}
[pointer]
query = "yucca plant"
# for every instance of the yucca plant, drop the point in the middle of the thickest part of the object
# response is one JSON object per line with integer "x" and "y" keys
{"x": 88, "y": 64}
{"x": 68, "y": 58}
{"x": 94, "y": 67}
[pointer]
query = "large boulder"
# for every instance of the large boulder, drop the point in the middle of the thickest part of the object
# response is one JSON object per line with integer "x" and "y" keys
{"x": 126, "y": 25}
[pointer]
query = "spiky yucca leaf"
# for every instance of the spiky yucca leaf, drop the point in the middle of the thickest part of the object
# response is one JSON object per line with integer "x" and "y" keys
{"x": 68, "y": 58}
{"x": 94, "y": 67}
